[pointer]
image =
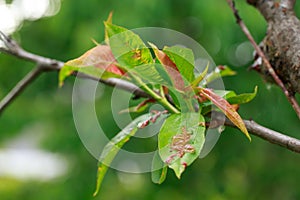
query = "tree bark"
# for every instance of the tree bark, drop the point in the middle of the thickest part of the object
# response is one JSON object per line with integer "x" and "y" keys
{"x": 282, "y": 42}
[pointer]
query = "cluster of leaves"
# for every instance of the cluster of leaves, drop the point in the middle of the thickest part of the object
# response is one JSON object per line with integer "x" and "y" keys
{"x": 168, "y": 76}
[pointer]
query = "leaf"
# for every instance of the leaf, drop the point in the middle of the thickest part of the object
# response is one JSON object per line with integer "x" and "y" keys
{"x": 151, "y": 74}
{"x": 180, "y": 140}
{"x": 242, "y": 98}
{"x": 94, "y": 62}
{"x": 170, "y": 67}
{"x": 109, "y": 20}
{"x": 226, "y": 108}
{"x": 115, "y": 144}
{"x": 127, "y": 47}
{"x": 113, "y": 147}
{"x": 196, "y": 82}
{"x": 220, "y": 71}
{"x": 183, "y": 59}
{"x": 159, "y": 170}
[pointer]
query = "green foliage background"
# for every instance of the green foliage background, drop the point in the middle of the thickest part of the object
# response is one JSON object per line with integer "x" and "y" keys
{"x": 235, "y": 169}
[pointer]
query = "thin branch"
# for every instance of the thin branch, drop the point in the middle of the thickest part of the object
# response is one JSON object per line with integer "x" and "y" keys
{"x": 274, "y": 137}
{"x": 118, "y": 83}
{"x": 254, "y": 128}
{"x": 13, "y": 48}
{"x": 45, "y": 64}
{"x": 291, "y": 97}
{"x": 30, "y": 77}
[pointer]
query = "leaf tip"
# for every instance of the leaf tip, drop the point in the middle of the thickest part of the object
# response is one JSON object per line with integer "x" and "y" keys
{"x": 248, "y": 136}
{"x": 60, "y": 84}
{"x": 98, "y": 183}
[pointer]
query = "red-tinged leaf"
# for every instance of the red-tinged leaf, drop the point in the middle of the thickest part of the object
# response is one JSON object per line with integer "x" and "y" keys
{"x": 170, "y": 67}
{"x": 226, "y": 108}
{"x": 100, "y": 57}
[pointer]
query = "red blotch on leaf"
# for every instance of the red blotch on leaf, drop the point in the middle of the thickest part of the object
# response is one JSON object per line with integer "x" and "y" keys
{"x": 100, "y": 57}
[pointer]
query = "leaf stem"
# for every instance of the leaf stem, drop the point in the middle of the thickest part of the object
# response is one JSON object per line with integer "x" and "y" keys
{"x": 161, "y": 99}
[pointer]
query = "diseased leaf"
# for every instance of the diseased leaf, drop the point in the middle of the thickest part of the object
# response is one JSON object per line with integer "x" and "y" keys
{"x": 242, "y": 98}
{"x": 226, "y": 108}
{"x": 180, "y": 140}
{"x": 159, "y": 170}
{"x": 170, "y": 68}
{"x": 183, "y": 59}
{"x": 127, "y": 47}
{"x": 100, "y": 57}
{"x": 94, "y": 62}
{"x": 112, "y": 148}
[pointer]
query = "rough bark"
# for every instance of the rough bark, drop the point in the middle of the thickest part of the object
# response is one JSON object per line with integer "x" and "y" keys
{"x": 282, "y": 42}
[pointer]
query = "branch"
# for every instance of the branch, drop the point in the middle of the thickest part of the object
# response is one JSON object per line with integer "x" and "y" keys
{"x": 46, "y": 64}
{"x": 29, "y": 78}
{"x": 272, "y": 136}
{"x": 291, "y": 97}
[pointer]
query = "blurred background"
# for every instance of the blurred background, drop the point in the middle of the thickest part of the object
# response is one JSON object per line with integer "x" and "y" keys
{"x": 41, "y": 155}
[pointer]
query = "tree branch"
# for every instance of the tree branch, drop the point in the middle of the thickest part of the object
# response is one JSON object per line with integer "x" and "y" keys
{"x": 29, "y": 78}
{"x": 46, "y": 64}
{"x": 291, "y": 97}
{"x": 272, "y": 136}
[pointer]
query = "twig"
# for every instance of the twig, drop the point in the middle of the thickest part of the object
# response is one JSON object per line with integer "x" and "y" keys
{"x": 31, "y": 76}
{"x": 291, "y": 97}
{"x": 45, "y": 64}
{"x": 254, "y": 128}
{"x": 274, "y": 137}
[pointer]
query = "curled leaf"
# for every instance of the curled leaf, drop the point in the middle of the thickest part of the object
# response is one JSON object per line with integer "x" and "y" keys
{"x": 226, "y": 108}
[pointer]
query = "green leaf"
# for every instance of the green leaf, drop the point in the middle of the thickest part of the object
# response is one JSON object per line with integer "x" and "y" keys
{"x": 196, "y": 82}
{"x": 242, "y": 98}
{"x": 127, "y": 47}
{"x": 180, "y": 140}
{"x": 226, "y": 108}
{"x": 109, "y": 20}
{"x": 113, "y": 147}
{"x": 219, "y": 72}
{"x": 159, "y": 170}
{"x": 150, "y": 74}
{"x": 183, "y": 59}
